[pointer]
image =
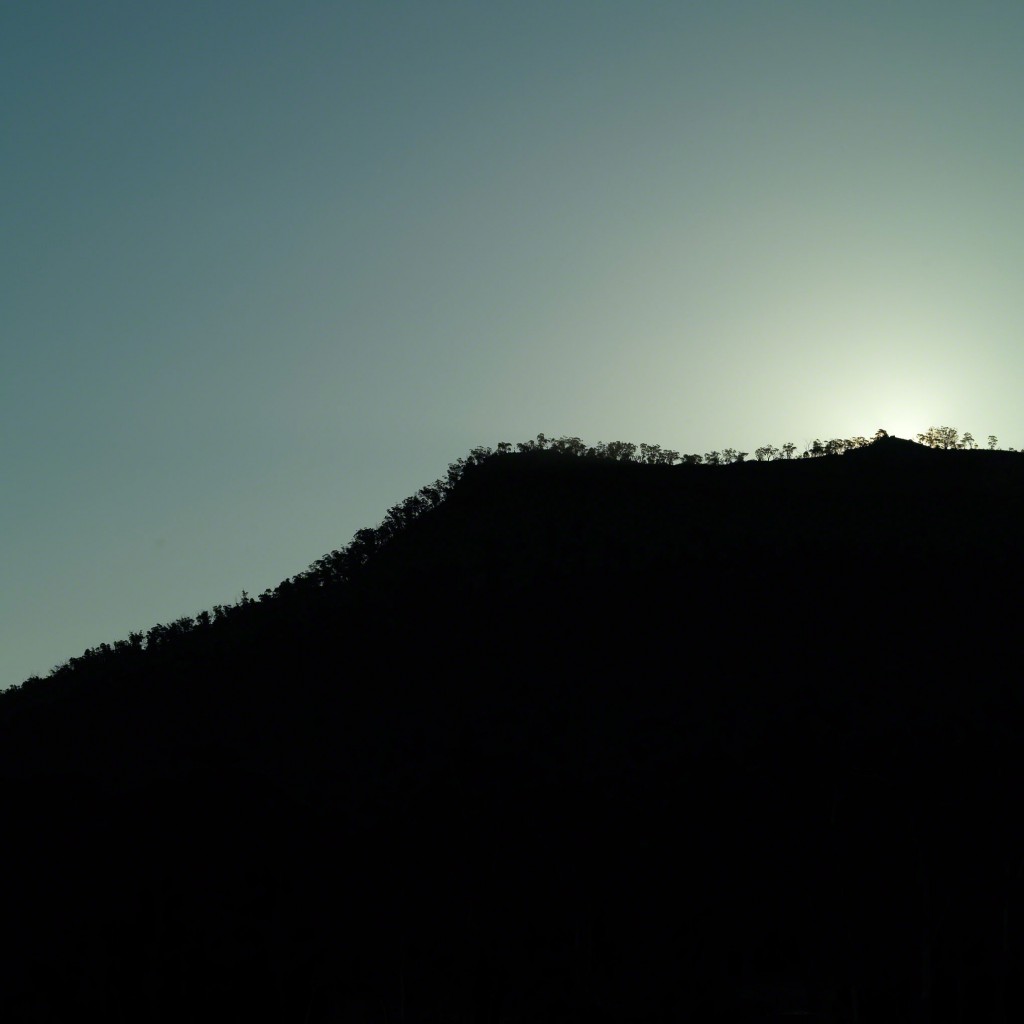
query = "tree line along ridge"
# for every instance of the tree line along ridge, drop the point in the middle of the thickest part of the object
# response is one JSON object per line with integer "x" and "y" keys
{"x": 346, "y": 564}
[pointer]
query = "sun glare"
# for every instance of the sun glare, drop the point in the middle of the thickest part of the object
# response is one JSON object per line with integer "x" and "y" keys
{"x": 903, "y": 425}
{"x": 907, "y": 408}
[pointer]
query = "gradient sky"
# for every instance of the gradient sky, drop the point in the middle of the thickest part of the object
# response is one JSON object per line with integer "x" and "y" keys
{"x": 268, "y": 267}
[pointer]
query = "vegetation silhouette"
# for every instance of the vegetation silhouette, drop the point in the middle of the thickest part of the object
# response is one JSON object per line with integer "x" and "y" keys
{"x": 577, "y": 732}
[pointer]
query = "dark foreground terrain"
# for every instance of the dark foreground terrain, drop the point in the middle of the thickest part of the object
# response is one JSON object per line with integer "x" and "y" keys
{"x": 586, "y": 741}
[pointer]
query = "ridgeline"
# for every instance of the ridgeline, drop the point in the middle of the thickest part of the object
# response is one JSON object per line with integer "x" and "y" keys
{"x": 568, "y": 737}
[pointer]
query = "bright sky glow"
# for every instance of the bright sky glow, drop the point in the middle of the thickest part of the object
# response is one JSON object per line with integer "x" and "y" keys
{"x": 267, "y": 267}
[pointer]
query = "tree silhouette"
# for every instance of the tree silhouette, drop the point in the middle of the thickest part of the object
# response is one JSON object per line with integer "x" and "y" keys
{"x": 345, "y": 565}
{"x": 945, "y": 438}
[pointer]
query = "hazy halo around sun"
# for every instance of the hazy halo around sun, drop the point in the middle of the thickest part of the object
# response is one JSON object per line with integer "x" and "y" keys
{"x": 902, "y": 426}
{"x": 906, "y": 407}
{"x": 909, "y": 420}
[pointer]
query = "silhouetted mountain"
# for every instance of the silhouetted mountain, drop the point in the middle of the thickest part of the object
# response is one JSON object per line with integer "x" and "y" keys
{"x": 566, "y": 738}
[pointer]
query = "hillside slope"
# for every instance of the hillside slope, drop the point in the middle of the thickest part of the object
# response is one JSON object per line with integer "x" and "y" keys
{"x": 588, "y": 740}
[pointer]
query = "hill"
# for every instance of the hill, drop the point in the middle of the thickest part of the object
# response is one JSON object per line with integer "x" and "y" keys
{"x": 564, "y": 738}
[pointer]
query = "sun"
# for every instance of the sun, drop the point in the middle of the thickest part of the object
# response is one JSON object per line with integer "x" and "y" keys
{"x": 904, "y": 413}
{"x": 902, "y": 426}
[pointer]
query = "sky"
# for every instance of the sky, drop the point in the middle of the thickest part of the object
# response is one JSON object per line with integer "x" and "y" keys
{"x": 266, "y": 268}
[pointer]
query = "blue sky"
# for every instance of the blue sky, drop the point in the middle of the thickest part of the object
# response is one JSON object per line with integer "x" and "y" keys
{"x": 269, "y": 267}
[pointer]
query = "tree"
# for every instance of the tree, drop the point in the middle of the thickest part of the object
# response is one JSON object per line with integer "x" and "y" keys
{"x": 788, "y": 449}
{"x": 155, "y": 635}
{"x": 623, "y": 451}
{"x": 539, "y": 444}
{"x": 967, "y": 441}
{"x": 766, "y": 453}
{"x": 992, "y": 442}
{"x": 650, "y": 453}
{"x": 940, "y": 437}
{"x": 569, "y": 445}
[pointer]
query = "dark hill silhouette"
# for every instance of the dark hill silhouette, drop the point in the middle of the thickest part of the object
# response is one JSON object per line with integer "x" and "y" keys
{"x": 578, "y": 739}
{"x": 892, "y": 448}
